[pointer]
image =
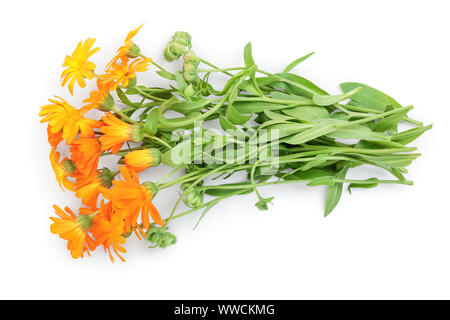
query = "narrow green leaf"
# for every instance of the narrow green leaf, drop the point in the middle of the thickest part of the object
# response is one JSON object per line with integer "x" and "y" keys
{"x": 296, "y": 62}
{"x": 181, "y": 83}
{"x": 390, "y": 122}
{"x": 235, "y": 117}
{"x": 363, "y": 185}
{"x": 354, "y": 131}
{"x": 408, "y": 136}
{"x": 248, "y": 57}
{"x": 205, "y": 211}
{"x": 335, "y": 191}
{"x": 327, "y": 100}
{"x": 166, "y": 75}
{"x": 320, "y": 128}
{"x": 306, "y": 88}
{"x": 317, "y": 161}
{"x": 151, "y": 122}
{"x": 186, "y": 107}
{"x": 277, "y": 116}
{"x": 370, "y": 97}
{"x": 322, "y": 181}
{"x": 307, "y": 113}
{"x": 123, "y": 97}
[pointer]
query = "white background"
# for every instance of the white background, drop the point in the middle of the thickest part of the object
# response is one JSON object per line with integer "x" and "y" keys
{"x": 388, "y": 242}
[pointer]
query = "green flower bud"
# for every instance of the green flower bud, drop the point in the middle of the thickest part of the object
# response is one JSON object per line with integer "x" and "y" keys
{"x": 160, "y": 237}
{"x": 189, "y": 91}
{"x": 190, "y": 66}
{"x": 107, "y": 103}
{"x": 177, "y": 45}
{"x": 194, "y": 197}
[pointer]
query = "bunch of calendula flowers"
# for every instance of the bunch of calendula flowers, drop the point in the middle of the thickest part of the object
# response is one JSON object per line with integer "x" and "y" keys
{"x": 276, "y": 128}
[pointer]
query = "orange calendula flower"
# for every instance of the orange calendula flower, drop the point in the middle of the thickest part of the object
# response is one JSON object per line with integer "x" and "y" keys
{"x": 130, "y": 199}
{"x": 73, "y": 229}
{"x": 54, "y": 138}
{"x": 62, "y": 170}
{"x": 86, "y": 154}
{"x": 116, "y": 132}
{"x": 107, "y": 230}
{"x": 129, "y": 49}
{"x": 61, "y": 116}
{"x": 139, "y": 160}
{"x": 88, "y": 187}
{"x": 120, "y": 74}
{"x": 78, "y": 66}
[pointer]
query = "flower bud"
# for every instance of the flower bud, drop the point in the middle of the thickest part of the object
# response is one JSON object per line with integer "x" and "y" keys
{"x": 160, "y": 237}
{"x": 177, "y": 45}
{"x": 194, "y": 197}
{"x": 190, "y": 66}
{"x": 140, "y": 160}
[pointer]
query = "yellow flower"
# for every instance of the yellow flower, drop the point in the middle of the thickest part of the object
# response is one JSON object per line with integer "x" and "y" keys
{"x": 63, "y": 117}
{"x": 62, "y": 170}
{"x": 73, "y": 229}
{"x": 78, "y": 66}
{"x": 125, "y": 50}
{"x": 120, "y": 74}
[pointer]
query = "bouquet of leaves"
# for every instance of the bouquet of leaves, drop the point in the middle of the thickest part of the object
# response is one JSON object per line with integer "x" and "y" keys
{"x": 277, "y": 128}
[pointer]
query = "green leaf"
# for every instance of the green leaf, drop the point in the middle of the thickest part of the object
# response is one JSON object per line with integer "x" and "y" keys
{"x": 317, "y": 161}
{"x": 335, "y": 191}
{"x": 218, "y": 192}
{"x": 363, "y": 185}
{"x": 181, "y": 83}
{"x": 258, "y": 106}
{"x": 294, "y": 63}
{"x": 355, "y": 131}
{"x": 309, "y": 174}
{"x": 320, "y": 128}
{"x": 123, "y": 97}
{"x": 408, "y": 136}
{"x": 370, "y": 97}
{"x": 235, "y": 117}
{"x": 207, "y": 208}
{"x": 390, "y": 122}
{"x": 262, "y": 203}
{"x": 248, "y": 57}
{"x": 307, "y": 88}
{"x": 186, "y": 107}
{"x": 228, "y": 126}
{"x": 151, "y": 122}
{"x": 287, "y": 129}
{"x": 298, "y": 100}
{"x": 327, "y": 100}
{"x": 322, "y": 181}
{"x": 166, "y": 75}
{"x": 307, "y": 113}
{"x": 277, "y": 116}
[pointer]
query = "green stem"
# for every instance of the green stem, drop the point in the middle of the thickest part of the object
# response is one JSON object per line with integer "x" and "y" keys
{"x": 215, "y": 67}
{"x": 124, "y": 116}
